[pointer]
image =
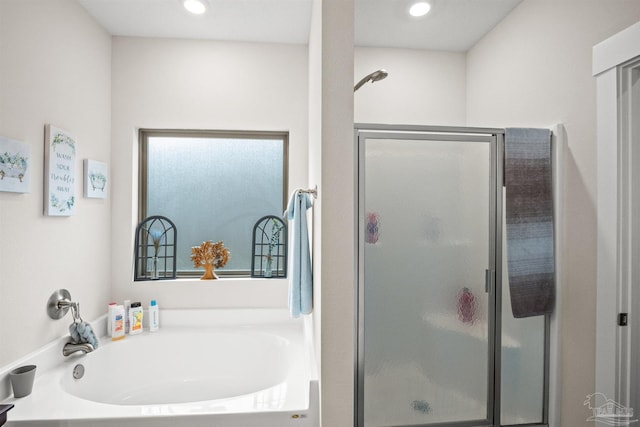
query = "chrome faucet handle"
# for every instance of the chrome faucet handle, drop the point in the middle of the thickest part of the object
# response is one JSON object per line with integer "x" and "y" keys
{"x": 59, "y": 303}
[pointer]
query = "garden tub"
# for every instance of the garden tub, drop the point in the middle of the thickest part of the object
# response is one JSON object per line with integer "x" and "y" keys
{"x": 202, "y": 368}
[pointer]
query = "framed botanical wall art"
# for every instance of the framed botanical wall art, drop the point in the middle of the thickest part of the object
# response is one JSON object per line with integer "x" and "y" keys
{"x": 59, "y": 172}
{"x": 15, "y": 166}
{"x": 95, "y": 179}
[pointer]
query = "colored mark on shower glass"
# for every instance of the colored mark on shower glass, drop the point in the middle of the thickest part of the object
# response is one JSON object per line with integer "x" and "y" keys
{"x": 466, "y": 304}
{"x": 421, "y": 406}
{"x": 372, "y": 228}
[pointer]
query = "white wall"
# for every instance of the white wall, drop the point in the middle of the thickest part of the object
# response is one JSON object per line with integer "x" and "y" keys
{"x": 337, "y": 191}
{"x": 187, "y": 84}
{"x": 315, "y": 164}
{"x": 55, "y": 69}
{"x": 422, "y": 88}
{"x": 534, "y": 70}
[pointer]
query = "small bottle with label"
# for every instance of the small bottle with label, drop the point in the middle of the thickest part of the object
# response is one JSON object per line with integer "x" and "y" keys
{"x": 135, "y": 318}
{"x": 154, "y": 316}
{"x": 127, "y": 309}
{"x": 110, "y": 308}
{"x": 117, "y": 323}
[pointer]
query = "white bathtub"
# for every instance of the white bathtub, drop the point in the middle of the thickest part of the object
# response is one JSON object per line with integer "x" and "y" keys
{"x": 231, "y": 368}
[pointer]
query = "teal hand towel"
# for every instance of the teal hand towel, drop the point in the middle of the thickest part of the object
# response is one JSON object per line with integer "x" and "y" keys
{"x": 300, "y": 278}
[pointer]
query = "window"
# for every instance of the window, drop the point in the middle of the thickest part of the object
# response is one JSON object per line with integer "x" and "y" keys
{"x": 214, "y": 186}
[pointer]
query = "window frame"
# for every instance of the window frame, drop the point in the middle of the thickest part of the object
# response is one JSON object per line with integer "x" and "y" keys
{"x": 143, "y": 143}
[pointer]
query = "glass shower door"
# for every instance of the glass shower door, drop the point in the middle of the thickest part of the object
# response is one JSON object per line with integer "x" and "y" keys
{"x": 426, "y": 262}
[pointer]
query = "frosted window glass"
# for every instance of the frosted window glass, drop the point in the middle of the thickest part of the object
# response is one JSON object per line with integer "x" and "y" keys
{"x": 426, "y": 249}
{"x": 523, "y": 355}
{"x": 215, "y": 189}
{"x": 426, "y": 313}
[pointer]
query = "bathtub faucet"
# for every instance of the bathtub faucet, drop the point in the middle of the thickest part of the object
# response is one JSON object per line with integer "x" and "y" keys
{"x": 70, "y": 348}
{"x": 81, "y": 334}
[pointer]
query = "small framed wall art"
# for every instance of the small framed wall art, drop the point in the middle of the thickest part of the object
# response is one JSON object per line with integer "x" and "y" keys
{"x": 59, "y": 172}
{"x": 95, "y": 179}
{"x": 15, "y": 166}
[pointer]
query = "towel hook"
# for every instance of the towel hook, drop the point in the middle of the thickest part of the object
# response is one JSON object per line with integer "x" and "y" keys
{"x": 313, "y": 191}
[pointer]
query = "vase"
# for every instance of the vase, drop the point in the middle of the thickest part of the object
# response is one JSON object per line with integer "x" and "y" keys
{"x": 208, "y": 273}
{"x": 268, "y": 272}
{"x": 154, "y": 275}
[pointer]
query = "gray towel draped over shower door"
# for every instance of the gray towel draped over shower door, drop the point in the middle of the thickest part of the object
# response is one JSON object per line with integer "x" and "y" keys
{"x": 529, "y": 217}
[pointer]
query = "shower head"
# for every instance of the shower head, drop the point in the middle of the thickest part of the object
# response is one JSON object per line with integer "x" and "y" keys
{"x": 373, "y": 77}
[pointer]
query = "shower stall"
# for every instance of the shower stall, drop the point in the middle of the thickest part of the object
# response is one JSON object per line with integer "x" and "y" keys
{"x": 434, "y": 347}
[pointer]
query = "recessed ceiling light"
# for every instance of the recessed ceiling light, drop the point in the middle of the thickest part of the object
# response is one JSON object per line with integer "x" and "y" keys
{"x": 197, "y": 7}
{"x": 420, "y": 8}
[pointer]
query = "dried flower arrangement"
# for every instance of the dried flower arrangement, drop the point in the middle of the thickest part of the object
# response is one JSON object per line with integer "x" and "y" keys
{"x": 156, "y": 237}
{"x": 209, "y": 255}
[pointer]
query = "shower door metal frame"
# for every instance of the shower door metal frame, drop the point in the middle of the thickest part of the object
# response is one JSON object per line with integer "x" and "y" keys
{"x": 495, "y": 137}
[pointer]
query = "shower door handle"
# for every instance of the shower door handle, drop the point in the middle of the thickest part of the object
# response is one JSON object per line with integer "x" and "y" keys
{"x": 489, "y": 277}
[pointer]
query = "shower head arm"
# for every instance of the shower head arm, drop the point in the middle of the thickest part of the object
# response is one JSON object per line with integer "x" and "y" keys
{"x": 362, "y": 82}
{"x": 373, "y": 77}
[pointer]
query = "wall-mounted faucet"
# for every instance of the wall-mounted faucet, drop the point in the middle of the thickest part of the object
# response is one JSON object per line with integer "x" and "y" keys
{"x": 70, "y": 348}
{"x": 82, "y": 337}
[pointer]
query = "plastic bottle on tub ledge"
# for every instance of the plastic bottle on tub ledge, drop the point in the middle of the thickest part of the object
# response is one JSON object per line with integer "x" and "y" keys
{"x": 154, "y": 316}
{"x": 127, "y": 309}
{"x": 135, "y": 318}
{"x": 117, "y": 323}
{"x": 110, "y": 308}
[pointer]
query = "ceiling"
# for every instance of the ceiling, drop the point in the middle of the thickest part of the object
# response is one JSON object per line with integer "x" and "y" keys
{"x": 452, "y": 25}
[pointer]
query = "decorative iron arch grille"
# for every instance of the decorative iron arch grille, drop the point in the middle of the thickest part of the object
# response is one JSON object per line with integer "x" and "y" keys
{"x": 155, "y": 249}
{"x": 269, "y": 254}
